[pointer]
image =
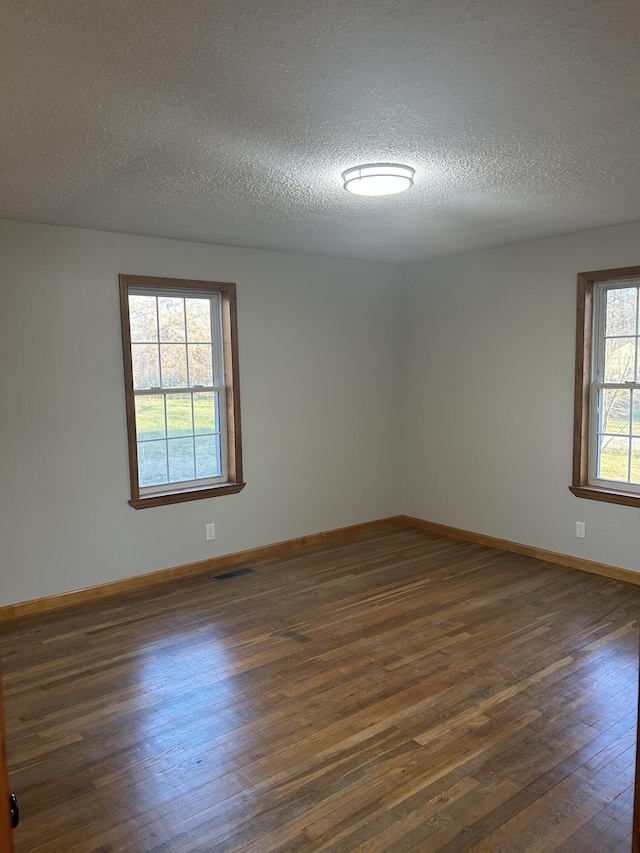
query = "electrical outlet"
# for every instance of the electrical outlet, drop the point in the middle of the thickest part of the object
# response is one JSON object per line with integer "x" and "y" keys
{"x": 581, "y": 529}
{"x": 209, "y": 532}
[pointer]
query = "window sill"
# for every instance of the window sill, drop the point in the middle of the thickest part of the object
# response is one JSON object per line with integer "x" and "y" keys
{"x": 613, "y": 496}
{"x": 165, "y": 498}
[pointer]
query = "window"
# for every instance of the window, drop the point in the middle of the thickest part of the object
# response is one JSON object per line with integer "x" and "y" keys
{"x": 606, "y": 441}
{"x": 182, "y": 395}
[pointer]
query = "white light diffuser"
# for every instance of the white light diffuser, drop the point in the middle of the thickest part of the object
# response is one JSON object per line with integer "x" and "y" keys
{"x": 376, "y": 179}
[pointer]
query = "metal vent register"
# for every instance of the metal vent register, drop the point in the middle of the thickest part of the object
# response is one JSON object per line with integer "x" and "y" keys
{"x": 236, "y": 573}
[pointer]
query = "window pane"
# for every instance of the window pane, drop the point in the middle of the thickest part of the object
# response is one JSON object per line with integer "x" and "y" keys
{"x": 152, "y": 463}
{"x": 620, "y": 359}
{"x": 621, "y": 312}
{"x": 181, "y": 463}
{"x": 150, "y": 417}
{"x": 143, "y": 320}
{"x": 171, "y": 317}
{"x": 179, "y": 418}
{"x": 204, "y": 411}
{"x": 146, "y": 371}
{"x": 614, "y": 458}
{"x": 615, "y": 410}
{"x": 200, "y": 364}
{"x": 198, "y": 320}
{"x": 635, "y": 460}
{"x": 174, "y": 365}
{"x": 635, "y": 424}
{"x": 208, "y": 456}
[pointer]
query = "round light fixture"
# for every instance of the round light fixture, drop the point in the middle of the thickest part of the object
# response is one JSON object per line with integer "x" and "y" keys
{"x": 378, "y": 179}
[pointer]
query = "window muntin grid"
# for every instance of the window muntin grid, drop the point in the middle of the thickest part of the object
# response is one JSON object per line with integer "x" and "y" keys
{"x": 615, "y": 387}
{"x": 179, "y": 393}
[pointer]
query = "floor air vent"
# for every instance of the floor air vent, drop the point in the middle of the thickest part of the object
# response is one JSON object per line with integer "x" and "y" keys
{"x": 236, "y": 573}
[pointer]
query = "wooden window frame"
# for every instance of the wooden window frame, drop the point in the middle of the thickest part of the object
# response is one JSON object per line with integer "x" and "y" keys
{"x": 235, "y": 483}
{"x": 580, "y": 486}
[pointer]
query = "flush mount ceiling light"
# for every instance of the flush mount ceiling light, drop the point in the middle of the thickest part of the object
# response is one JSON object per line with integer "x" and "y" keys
{"x": 378, "y": 179}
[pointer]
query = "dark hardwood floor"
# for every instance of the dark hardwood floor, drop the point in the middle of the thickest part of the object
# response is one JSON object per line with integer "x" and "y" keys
{"x": 407, "y": 692}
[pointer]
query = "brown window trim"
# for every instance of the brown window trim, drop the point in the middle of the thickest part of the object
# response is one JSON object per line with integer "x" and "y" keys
{"x": 580, "y": 486}
{"x": 235, "y": 482}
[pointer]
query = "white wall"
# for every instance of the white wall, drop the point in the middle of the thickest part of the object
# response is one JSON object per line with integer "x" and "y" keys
{"x": 319, "y": 391}
{"x": 488, "y": 394}
{"x": 484, "y": 346}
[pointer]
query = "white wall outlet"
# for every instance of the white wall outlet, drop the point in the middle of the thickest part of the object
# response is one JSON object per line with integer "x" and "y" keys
{"x": 581, "y": 529}
{"x": 209, "y": 532}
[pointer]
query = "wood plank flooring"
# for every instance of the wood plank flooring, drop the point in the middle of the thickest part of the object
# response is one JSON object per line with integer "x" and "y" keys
{"x": 406, "y": 692}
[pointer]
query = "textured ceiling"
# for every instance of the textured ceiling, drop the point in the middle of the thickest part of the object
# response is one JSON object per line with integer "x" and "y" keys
{"x": 230, "y": 122}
